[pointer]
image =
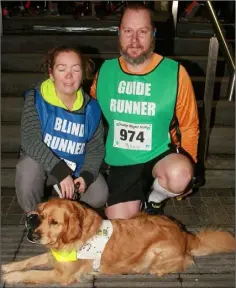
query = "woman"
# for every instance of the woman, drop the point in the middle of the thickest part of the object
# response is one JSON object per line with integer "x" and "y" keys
{"x": 61, "y": 136}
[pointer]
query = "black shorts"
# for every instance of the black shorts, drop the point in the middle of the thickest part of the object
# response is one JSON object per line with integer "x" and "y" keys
{"x": 133, "y": 182}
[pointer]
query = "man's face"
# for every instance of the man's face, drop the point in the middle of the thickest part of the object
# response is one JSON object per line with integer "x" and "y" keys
{"x": 136, "y": 36}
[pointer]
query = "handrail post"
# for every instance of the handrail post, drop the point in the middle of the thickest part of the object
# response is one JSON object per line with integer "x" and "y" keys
{"x": 220, "y": 36}
{"x": 1, "y": 18}
{"x": 175, "y": 6}
{"x": 208, "y": 97}
{"x": 231, "y": 87}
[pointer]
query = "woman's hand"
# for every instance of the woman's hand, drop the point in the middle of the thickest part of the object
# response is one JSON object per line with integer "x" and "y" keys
{"x": 67, "y": 187}
{"x": 81, "y": 183}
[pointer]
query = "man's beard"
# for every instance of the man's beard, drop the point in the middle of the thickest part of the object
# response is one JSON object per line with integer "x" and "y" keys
{"x": 145, "y": 55}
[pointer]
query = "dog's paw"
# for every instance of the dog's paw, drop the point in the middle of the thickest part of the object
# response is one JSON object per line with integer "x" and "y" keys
{"x": 7, "y": 268}
{"x": 12, "y": 277}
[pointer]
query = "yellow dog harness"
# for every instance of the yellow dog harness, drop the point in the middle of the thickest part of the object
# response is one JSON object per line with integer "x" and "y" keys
{"x": 92, "y": 249}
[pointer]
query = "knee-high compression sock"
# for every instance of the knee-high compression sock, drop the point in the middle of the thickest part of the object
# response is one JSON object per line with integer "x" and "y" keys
{"x": 158, "y": 193}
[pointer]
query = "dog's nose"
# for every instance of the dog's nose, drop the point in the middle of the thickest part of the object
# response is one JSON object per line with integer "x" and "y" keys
{"x": 36, "y": 236}
{"x": 32, "y": 222}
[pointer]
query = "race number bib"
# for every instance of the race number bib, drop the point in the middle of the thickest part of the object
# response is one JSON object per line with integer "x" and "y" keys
{"x": 132, "y": 136}
{"x": 70, "y": 164}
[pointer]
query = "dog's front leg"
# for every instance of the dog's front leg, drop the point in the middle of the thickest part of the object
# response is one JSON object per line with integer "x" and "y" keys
{"x": 36, "y": 261}
{"x": 33, "y": 276}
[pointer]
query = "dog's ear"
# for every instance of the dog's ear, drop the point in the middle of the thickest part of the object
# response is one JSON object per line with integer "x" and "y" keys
{"x": 73, "y": 227}
{"x": 73, "y": 230}
{"x": 40, "y": 207}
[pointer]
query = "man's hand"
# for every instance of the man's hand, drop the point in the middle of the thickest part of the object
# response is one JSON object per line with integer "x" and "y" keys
{"x": 67, "y": 188}
{"x": 81, "y": 183}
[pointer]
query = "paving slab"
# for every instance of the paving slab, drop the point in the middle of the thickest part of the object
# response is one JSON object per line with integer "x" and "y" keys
{"x": 11, "y": 238}
{"x": 212, "y": 207}
{"x": 207, "y": 280}
{"x": 133, "y": 281}
{"x": 207, "y": 207}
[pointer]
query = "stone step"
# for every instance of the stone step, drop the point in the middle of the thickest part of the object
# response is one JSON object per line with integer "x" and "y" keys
{"x": 24, "y": 81}
{"x": 219, "y": 171}
{"x": 220, "y": 162}
{"x": 101, "y": 44}
{"x": 223, "y": 112}
{"x": 221, "y": 139}
{"x": 22, "y": 25}
{"x": 213, "y": 161}
{"x": 205, "y": 30}
{"x": 170, "y": 281}
{"x": 195, "y": 65}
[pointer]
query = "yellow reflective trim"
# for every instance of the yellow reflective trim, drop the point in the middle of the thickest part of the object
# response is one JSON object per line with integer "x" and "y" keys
{"x": 64, "y": 256}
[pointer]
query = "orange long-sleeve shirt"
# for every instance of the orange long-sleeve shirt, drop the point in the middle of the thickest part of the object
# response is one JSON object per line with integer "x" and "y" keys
{"x": 186, "y": 106}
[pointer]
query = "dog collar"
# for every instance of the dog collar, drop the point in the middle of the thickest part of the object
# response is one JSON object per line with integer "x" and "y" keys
{"x": 64, "y": 256}
{"x": 92, "y": 249}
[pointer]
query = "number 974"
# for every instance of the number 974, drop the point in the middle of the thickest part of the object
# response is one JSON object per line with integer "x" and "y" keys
{"x": 131, "y": 136}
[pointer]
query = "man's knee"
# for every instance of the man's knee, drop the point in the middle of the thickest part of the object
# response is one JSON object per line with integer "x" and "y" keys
{"x": 179, "y": 178}
{"x": 124, "y": 210}
{"x": 176, "y": 173}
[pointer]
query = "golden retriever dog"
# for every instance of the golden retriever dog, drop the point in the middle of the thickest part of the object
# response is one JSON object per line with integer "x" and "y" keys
{"x": 144, "y": 244}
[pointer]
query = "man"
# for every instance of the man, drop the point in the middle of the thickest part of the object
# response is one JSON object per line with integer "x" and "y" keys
{"x": 142, "y": 95}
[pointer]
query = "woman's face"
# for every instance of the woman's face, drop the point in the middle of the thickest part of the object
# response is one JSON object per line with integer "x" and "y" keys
{"x": 66, "y": 73}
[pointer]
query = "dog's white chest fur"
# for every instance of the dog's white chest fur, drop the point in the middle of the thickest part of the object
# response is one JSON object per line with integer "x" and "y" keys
{"x": 94, "y": 247}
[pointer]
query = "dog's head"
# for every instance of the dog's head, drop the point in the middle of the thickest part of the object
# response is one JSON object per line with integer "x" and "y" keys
{"x": 60, "y": 222}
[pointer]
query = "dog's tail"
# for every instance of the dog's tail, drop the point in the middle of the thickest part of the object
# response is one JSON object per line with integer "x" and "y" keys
{"x": 210, "y": 242}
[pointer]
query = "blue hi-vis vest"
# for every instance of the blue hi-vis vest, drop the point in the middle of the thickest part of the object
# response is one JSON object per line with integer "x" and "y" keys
{"x": 66, "y": 133}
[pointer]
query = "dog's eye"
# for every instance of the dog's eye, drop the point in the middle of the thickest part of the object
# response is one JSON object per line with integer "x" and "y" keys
{"x": 53, "y": 222}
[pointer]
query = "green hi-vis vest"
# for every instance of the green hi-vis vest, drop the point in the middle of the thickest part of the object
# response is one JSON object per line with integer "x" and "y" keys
{"x": 139, "y": 110}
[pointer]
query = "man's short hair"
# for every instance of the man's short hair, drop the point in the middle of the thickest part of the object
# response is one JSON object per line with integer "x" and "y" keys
{"x": 137, "y": 7}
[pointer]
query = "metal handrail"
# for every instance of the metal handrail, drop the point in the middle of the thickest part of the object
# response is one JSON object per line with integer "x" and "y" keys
{"x": 222, "y": 43}
{"x": 219, "y": 34}
{"x": 216, "y": 42}
{"x": 175, "y": 6}
{"x": 231, "y": 87}
{"x": 1, "y": 18}
{"x": 224, "y": 49}
{"x": 208, "y": 96}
